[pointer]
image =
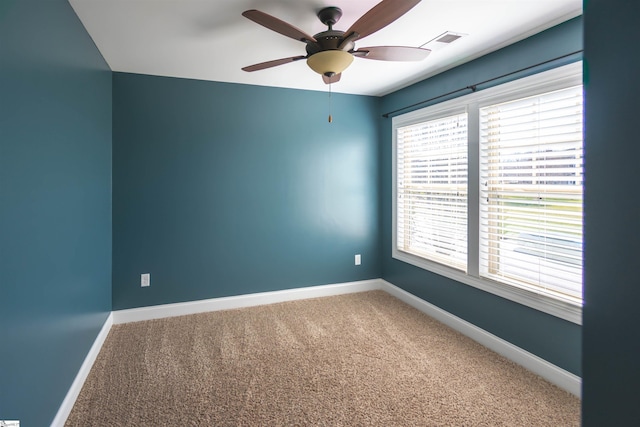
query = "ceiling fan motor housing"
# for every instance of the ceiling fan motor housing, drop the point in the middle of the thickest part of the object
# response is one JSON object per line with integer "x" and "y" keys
{"x": 328, "y": 40}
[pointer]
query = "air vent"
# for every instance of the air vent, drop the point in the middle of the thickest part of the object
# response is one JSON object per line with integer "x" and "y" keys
{"x": 448, "y": 38}
{"x": 442, "y": 40}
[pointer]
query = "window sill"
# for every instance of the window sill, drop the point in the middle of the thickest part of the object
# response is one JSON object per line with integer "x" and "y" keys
{"x": 563, "y": 309}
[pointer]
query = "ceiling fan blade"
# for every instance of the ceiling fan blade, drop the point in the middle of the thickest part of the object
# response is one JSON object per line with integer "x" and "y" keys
{"x": 392, "y": 53}
{"x": 274, "y": 63}
{"x": 381, "y": 15}
{"x": 277, "y": 25}
{"x": 333, "y": 79}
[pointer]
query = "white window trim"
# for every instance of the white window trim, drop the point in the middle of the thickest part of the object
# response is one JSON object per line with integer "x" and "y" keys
{"x": 558, "y": 78}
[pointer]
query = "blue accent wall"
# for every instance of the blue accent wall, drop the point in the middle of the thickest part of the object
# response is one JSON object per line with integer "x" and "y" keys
{"x": 55, "y": 204}
{"x": 611, "y": 332}
{"x": 549, "y": 337}
{"x": 225, "y": 189}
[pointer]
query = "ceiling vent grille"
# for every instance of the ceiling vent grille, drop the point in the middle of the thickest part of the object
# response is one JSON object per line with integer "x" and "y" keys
{"x": 442, "y": 40}
{"x": 448, "y": 38}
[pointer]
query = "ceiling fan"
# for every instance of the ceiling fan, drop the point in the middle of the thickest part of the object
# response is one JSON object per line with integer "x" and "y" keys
{"x": 330, "y": 52}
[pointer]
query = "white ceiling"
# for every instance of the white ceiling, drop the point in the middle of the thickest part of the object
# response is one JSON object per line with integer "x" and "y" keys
{"x": 210, "y": 40}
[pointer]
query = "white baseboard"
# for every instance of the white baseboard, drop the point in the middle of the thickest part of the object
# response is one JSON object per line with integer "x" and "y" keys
{"x": 85, "y": 368}
{"x": 241, "y": 301}
{"x": 552, "y": 373}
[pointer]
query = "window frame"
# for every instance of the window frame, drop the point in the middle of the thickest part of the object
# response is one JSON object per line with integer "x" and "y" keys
{"x": 547, "y": 81}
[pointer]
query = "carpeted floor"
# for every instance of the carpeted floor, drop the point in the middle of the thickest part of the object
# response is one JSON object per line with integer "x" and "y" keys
{"x": 362, "y": 359}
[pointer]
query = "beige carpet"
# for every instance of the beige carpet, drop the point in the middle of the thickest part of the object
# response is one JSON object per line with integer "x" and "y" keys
{"x": 362, "y": 359}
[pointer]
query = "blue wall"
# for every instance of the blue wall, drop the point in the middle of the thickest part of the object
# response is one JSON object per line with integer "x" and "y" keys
{"x": 553, "y": 339}
{"x": 611, "y": 332}
{"x": 55, "y": 204}
{"x": 225, "y": 189}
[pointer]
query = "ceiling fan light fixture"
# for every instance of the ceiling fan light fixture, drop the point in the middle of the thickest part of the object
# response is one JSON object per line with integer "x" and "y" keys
{"x": 330, "y": 62}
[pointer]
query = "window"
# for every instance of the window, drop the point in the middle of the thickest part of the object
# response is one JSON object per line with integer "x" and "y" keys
{"x": 531, "y": 192}
{"x": 488, "y": 190}
{"x": 432, "y": 189}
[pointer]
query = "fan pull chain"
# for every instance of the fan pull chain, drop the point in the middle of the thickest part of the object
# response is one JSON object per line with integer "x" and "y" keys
{"x": 330, "y": 118}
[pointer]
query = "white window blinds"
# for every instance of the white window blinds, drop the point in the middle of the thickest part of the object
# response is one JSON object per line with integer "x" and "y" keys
{"x": 431, "y": 205}
{"x": 531, "y": 167}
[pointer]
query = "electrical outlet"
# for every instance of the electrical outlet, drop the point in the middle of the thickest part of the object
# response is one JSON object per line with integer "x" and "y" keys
{"x": 145, "y": 280}
{"x": 358, "y": 259}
